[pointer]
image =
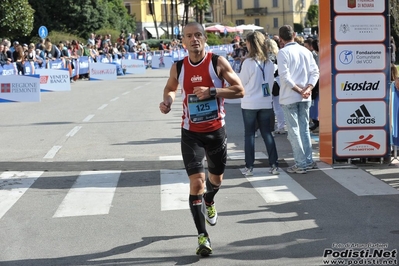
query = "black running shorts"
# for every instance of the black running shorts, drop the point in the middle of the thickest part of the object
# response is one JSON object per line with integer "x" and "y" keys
{"x": 195, "y": 146}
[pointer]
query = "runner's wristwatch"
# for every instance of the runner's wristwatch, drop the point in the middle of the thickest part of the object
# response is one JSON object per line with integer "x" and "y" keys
{"x": 212, "y": 91}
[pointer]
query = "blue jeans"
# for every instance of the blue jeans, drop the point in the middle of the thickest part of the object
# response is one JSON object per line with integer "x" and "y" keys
{"x": 297, "y": 118}
{"x": 262, "y": 117}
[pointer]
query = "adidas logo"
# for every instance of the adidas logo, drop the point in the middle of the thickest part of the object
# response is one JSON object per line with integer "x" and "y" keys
{"x": 361, "y": 116}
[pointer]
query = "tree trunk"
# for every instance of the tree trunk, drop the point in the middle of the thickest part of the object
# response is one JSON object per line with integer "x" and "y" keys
{"x": 154, "y": 18}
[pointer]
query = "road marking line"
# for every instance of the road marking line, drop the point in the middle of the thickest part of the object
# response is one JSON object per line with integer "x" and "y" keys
{"x": 358, "y": 181}
{"x": 52, "y": 152}
{"x": 73, "y": 131}
{"x": 278, "y": 188}
{"x": 175, "y": 188}
{"x": 114, "y": 99}
{"x": 102, "y": 106}
{"x": 137, "y": 87}
{"x": 12, "y": 186}
{"x": 231, "y": 155}
{"x": 91, "y": 194}
{"x": 241, "y": 155}
{"x": 88, "y": 118}
{"x": 171, "y": 158}
{"x": 107, "y": 160}
{"x": 127, "y": 92}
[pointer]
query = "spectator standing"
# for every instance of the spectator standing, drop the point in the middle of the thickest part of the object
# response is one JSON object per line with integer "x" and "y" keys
{"x": 132, "y": 43}
{"x": 273, "y": 49}
{"x": 19, "y": 57}
{"x": 298, "y": 75}
{"x": 143, "y": 46}
{"x": 257, "y": 77}
{"x": 99, "y": 41}
{"x": 314, "y": 109}
{"x": 161, "y": 46}
{"x": 203, "y": 133}
{"x": 50, "y": 51}
{"x": 92, "y": 39}
{"x": 14, "y": 46}
{"x": 31, "y": 55}
{"x": 40, "y": 44}
{"x": 64, "y": 51}
{"x": 393, "y": 50}
{"x": 9, "y": 54}
{"x": 3, "y": 56}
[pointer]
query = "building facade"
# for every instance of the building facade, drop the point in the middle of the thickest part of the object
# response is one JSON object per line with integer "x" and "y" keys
{"x": 270, "y": 14}
{"x": 166, "y": 20}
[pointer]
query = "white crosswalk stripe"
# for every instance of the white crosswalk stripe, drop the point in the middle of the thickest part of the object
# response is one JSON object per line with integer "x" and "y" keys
{"x": 278, "y": 188}
{"x": 93, "y": 191}
{"x": 174, "y": 190}
{"x": 92, "y": 194}
{"x": 358, "y": 181}
{"x": 13, "y": 185}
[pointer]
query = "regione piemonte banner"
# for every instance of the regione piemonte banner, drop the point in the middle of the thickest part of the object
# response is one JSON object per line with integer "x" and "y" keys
{"x": 17, "y": 88}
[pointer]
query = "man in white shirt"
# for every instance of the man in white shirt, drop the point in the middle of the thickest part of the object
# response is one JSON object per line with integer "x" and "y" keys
{"x": 298, "y": 75}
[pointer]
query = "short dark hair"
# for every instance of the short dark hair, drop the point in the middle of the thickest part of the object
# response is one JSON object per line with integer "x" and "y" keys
{"x": 286, "y": 33}
{"x": 195, "y": 23}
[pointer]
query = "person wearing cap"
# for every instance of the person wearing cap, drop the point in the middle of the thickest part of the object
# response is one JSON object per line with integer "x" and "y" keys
{"x": 299, "y": 74}
{"x": 14, "y": 45}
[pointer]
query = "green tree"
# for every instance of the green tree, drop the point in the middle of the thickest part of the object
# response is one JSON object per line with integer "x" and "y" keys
{"x": 298, "y": 27}
{"x": 118, "y": 18}
{"x": 312, "y": 18}
{"x": 81, "y": 17}
{"x": 200, "y": 6}
{"x": 16, "y": 18}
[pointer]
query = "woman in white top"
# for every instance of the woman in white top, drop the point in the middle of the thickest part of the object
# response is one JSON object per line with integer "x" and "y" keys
{"x": 257, "y": 76}
{"x": 273, "y": 49}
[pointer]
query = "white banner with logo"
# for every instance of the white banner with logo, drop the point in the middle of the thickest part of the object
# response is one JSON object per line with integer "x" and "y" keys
{"x": 16, "y": 88}
{"x": 54, "y": 80}
{"x": 101, "y": 71}
{"x": 133, "y": 66}
{"x": 161, "y": 62}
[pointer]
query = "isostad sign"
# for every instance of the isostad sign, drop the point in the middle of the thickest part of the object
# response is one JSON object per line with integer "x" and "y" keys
{"x": 360, "y": 66}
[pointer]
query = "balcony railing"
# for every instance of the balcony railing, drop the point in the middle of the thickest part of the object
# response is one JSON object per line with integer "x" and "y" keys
{"x": 255, "y": 11}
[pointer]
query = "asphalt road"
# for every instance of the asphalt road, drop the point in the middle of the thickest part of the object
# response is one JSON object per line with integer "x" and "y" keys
{"x": 94, "y": 176}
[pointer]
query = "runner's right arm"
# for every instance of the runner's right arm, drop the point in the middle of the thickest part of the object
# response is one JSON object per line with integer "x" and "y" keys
{"x": 169, "y": 92}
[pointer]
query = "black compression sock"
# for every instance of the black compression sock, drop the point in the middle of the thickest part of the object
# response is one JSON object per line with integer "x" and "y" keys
{"x": 211, "y": 191}
{"x": 195, "y": 202}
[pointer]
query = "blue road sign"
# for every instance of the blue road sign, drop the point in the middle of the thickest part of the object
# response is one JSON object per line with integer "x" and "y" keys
{"x": 43, "y": 32}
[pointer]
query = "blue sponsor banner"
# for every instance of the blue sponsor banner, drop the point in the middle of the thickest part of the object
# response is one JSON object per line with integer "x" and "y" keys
{"x": 83, "y": 65}
{"x": 175, "y": 55}
{"x": 10, "y": 69}
{"x": 57, "y": 64}
{"x": 29, "y": 68}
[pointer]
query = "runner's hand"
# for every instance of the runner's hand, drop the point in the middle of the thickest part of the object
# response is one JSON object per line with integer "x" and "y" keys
{"x": 164, "y": 107}
{"x": 202, "y": 92}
